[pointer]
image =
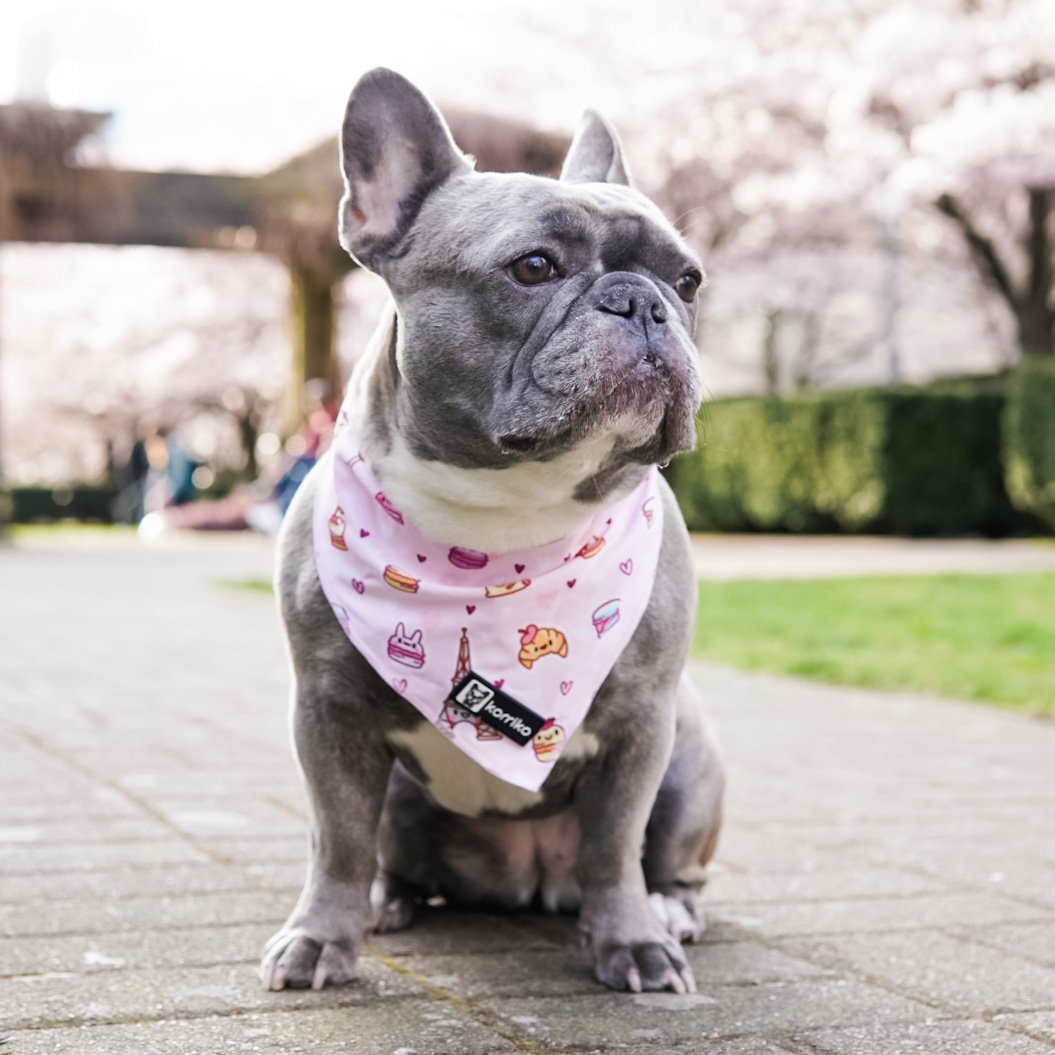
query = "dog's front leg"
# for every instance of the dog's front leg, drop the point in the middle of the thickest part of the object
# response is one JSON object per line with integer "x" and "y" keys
{"x": 631, "y": 948}
{"x": 346, "y": 764}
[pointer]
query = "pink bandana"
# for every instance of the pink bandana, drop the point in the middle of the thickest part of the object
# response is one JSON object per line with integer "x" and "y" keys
{"x": 502, "y": 652}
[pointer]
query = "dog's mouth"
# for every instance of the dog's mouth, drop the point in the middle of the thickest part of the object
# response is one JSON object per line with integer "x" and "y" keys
{"x": 647, "y": 408}
{"x": 536, "y": 445}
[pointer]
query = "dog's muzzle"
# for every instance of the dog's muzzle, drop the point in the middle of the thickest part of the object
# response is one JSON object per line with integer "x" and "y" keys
{"x": 644, "y": 311}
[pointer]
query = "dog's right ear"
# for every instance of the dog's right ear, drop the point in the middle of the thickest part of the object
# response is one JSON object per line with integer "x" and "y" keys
{"x": 395, "y": 149}
{"x": 595, "y": 154}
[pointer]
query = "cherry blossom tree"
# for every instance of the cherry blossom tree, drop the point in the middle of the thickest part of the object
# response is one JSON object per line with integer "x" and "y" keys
{"x": 804, "y": 138}
{"x": 201, "y": 345}
{"x": 871, "y": 185}
{"x": 969, "y": 92}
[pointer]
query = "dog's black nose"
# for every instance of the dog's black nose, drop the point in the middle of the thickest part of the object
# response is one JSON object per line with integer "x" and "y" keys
{"x": 632, "y": 299}
{"x": 637, "y": 300}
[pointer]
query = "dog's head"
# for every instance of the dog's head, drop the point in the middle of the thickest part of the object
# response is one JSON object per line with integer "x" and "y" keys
{"x": 533, "y": 314}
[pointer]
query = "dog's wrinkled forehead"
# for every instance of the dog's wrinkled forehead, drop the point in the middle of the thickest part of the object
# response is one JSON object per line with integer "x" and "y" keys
{"x": 480, "y": 221}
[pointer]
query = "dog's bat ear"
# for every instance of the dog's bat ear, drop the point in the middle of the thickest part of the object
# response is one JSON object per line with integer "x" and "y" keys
{"x": 595, "y": 154}
{"x": 395, "y": 150}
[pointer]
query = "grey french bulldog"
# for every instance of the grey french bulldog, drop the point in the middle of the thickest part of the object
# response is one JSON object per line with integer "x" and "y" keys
{"x": 535, "y": 361}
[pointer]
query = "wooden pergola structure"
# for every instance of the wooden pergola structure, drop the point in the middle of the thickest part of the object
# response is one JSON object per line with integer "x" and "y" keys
{"x": 47, "y": 194}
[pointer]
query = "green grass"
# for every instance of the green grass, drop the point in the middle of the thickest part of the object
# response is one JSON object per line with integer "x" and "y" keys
{"x": 67, "y": 531}
{"x": 255, "y": 585}
{"x": 979, "y": 637}
{"x": 989, "y": 638}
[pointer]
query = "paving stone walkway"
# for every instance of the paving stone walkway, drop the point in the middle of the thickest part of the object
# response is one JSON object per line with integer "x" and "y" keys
{"x": 885, "y": 883}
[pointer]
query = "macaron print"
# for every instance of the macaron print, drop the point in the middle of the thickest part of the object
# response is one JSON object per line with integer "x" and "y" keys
{"x": 591, "y": 548}
{"x": 399, "y": 580}
{"x": 467, "y": 559}
{"x": 605, "y": 616}
{"x": 505, "y": 589}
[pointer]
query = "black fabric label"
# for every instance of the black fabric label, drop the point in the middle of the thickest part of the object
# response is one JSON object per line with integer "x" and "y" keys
{"x": 491, "y": 705}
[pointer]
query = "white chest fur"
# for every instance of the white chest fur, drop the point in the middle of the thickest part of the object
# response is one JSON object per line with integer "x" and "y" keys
{"x": 493, "y": 510}
{"x": 458, "y": 784}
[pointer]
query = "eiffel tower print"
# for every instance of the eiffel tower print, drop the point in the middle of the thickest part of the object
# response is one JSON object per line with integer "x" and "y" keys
{"x": 452, "y": 712}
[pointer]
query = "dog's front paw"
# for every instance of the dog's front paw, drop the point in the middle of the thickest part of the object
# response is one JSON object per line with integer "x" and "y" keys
{"x": 295, "y": 959}
{"x": 644, "y": 966}
{"x": 679, "y": 914}
{"x": 631, "y": 948}
{"x": 396, "y": 913}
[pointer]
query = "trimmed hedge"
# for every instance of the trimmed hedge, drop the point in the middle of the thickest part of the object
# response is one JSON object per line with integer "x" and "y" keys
{"x": 754, "y": 469}
{"x": 1029, "y": 438}
{"x": 42, "y": 504}
{"x": 908, "y": 461}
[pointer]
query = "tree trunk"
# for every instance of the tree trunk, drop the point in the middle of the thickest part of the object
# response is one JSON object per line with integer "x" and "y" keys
{"x": 809, "y": 347}
{"x": 771, "y": 351}
{"x": 249, "y": 433}
{"x": 112, "y": 470}
{"x": 314, "y": 349}
{"x": 1036, "y": 330}
{"x": 1029, "y": 301}
{"x": 1034, "y": 313}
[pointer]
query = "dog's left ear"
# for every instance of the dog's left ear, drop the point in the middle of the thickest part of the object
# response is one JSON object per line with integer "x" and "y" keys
{"x": 395, "y": 150}
{"x": 595, "y": 154}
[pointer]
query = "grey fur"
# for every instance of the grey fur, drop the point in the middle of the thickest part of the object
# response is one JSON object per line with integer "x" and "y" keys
{"x": 395, "y": 149}
{"x": 472, "y": 370}
{"x": 595, "y": 154}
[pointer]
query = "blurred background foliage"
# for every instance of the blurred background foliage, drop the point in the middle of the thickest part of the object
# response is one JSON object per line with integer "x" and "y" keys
{"x": 871, "y": 185}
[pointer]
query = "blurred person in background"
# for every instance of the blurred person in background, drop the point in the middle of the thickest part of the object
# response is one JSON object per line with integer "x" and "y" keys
{"x": 309, "y": 443}
{"x": 129, "y": 503}
{"x": 170, "y": 472}
{"x": 259, "y": 505}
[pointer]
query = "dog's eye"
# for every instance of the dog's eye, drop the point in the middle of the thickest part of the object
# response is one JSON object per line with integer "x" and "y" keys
{"x": 688, "y": 286}
{"x": 533, "y": 269}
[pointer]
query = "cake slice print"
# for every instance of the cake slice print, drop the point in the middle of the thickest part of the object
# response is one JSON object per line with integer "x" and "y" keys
{"x": 337, "y": 525}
